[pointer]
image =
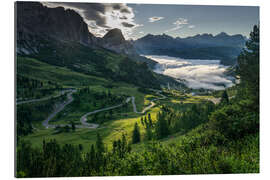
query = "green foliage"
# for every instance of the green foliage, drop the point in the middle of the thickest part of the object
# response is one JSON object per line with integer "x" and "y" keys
{"x": 138, "y": 74}
{"x": 241, "y": 117}
{"x": 248, "y": 69}
{"x": 224, "y": 98}
{"x": 99, "y": 144}
{"x": 162, "y": 129}
{"x": 190, "y": 155}
{"x": 136, "y": 136}
{"x": 181, "y": 118}
{"x": 27, "y": 114}
{"x": 236, "y": 120}
{"x": 73, "y": 127}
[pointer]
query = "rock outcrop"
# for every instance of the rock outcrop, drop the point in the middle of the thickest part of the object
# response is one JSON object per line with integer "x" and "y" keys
{"x": 34, "y": 19}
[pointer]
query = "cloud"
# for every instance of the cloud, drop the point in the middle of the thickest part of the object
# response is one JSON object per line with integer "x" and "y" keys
{"x": 101, "y": 17}
{"x": 178, "y": 24}
{"x": 208, "y": 74}
{"x": 180, "y": 21}
{"x": 127, "y": 24}
{"x": 155, "y": 18}
{"x": 125, "y": 10}
{"x": 191, "y": 26}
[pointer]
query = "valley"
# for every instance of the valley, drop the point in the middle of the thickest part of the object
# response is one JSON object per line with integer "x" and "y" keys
{"x": 136, "y": 104}
{"x": 92, "y": 105}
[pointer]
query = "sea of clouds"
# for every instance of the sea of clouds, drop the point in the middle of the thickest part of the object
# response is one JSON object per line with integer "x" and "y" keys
{"x": 207, "y": 74}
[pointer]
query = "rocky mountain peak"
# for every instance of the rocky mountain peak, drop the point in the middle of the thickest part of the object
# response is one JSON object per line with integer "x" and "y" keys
{"x": 114, "y": 36}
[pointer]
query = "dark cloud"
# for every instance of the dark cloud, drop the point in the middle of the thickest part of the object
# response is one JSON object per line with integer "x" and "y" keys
{"x": 128, "y": 25}
{"x": 123, "y": 18}
{"x": 125, "y": 10}
{"x": 116, "y": 6}
{"x": 101, "y": 17}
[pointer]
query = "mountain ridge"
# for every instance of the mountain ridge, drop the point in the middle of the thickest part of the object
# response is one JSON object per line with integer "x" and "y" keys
{"x": 200, "y": 46}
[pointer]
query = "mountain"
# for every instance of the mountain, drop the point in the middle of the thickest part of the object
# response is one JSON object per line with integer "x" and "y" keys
{"x": 36, "y": 22}
{"x": 115, "y": 41}
{"x": 201, "y": 46}
{"x": 60, "y": 37}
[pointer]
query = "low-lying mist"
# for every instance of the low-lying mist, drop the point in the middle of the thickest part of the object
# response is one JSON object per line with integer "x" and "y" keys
{"x": 207, "y": 74}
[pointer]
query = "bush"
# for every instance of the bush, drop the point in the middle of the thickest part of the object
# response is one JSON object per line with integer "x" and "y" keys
{"x": 235, "y": 121}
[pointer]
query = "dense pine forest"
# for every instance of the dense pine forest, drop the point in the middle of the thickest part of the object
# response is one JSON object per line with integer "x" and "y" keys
{"x": 179, "y": 138}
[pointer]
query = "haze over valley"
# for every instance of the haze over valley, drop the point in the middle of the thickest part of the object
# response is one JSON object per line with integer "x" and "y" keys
{"x": 206, "y": 74}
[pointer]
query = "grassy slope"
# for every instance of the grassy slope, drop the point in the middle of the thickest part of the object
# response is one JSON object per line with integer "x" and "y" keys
{"x": 241, "y": 155}
{"x": 31, "y": 67}
{"x": 110, "y": 131}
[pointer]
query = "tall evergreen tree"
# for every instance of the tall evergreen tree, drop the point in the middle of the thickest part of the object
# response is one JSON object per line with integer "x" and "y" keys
{"x": 162, "y": 129}
{"x": 248, "y": 68}
{"x": 142, "y": 121}
{"x": 99, "y": 144}
{"x": 73, "y": 127}
{"x": 224, "y": 98}
{"x": 150, "y": 120}
{"x": 136, "y": 137}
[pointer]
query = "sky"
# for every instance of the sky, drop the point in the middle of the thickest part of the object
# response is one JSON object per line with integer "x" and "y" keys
{"x": 137, "y": 20}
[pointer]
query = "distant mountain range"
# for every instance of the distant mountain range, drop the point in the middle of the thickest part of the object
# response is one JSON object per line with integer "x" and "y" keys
{"x": 201, "y": 46}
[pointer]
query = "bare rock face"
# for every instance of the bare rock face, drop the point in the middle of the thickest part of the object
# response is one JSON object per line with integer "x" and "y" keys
{"x": 115, "y": 41}
{"x": 114, "y": 37}
{"x": 35, "y": 21}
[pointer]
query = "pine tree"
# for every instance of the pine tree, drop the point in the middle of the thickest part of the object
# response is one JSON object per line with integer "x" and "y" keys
{"x": 99, "y": 144}
{"x": 248, "y": 69}
{"x": 73, "y": 127}
{"x": 149, "y": 134}
{"x": 142, "y": 121}
{"x": 150, "y": 120}
{"x": 162, "y": 129}
{"x": 224, "y": 98}
{"x": 136, "y": 137}
{"x": 145, "y": 121}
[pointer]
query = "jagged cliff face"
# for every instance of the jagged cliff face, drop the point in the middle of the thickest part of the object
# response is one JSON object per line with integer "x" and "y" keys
{"x": 115, "y": 41}
{"x": 36, "y": 22}
{"x": 34, "y": 19}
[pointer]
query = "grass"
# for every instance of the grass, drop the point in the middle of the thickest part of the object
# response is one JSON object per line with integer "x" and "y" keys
{"x": 109, "y": 131}
{"x": 31, "y": 67}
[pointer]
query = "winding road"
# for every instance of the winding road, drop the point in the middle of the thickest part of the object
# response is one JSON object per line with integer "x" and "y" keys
{"x": 83, "y": 119}
{"x": 43, "y": 99}
{"x": 132, "y": 98}
{"x": 45, "y": 123}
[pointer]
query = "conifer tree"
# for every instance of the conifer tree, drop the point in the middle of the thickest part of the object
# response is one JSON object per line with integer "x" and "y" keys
{"x": 248, "y": 68}
{"x": 150, "y": 120}
{"x": 224, "y": 98}
{"x": 73, "y": 127}
{"x": 99, "y": 144}
{"x": 136, "y": 137}
{"x": 162, "y": 129}
{"x": 142, "y": 121}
